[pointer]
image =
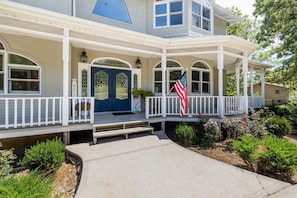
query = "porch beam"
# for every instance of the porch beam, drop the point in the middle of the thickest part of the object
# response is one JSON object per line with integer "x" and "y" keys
{"x": 66, "y": 66}
{"x": 245, "y": 71}
{"x": 220, "y": 66}
{"x": 110, "y": 46}
{"x": 22, "y": 31}
{"x": 233, "y": 55}
{"x": 263, "y": 85}
{"x": 164, "y": 67}
{"x": 191, "y": 53}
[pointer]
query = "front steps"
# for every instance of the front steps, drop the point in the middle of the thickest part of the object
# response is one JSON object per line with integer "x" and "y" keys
{"x": 120, "y": 128}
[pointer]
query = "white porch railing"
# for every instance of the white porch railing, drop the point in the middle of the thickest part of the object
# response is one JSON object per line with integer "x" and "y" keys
{"x": 42, "y": 111}
{"x": 204, "y": 105}
{"x": 234, "y": 105}
{"x": 256, "y": 102}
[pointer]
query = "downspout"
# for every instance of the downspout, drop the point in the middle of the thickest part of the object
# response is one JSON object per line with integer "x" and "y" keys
{"x": 164, "y": 66}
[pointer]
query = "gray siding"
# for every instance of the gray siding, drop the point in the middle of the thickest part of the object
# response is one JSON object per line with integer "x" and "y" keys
{"x": 220, "y": 26}
{"x": 61, "y": 6}
{"x": 136, "y": 9}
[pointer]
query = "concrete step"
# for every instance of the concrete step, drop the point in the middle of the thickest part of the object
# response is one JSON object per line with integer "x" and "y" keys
{"x": 124, "y": 132}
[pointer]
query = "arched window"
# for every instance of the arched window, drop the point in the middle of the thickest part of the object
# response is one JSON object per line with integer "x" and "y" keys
{"x": 111, "y": 63}
{"x": 23, "y": 75}
{"x": 173, "y": 72}
{"x": 201, "y": 78}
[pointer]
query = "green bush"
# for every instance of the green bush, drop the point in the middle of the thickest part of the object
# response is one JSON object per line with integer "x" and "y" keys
{"x": 292, "y": 108}
{"x": 282, "y": 110}
{"x": 278, "y": 126}
{"x": 7, "y": 157}
{"x": 47, "y": 155}
{"x": 185, "y": 134}
{"x": 279, "y": 155}
{"x": 212, "y": 132}
{"x": 247, "y": 148}
{"x": 33, "y": 185}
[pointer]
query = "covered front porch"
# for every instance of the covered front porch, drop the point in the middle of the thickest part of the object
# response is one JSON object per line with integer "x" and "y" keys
{"x": 61, "y": 102}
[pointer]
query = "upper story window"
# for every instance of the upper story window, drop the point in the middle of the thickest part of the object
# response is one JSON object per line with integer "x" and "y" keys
{"x": 113, "y": 9}
{"x": 168, "y": 13}
{"x": 173, "y": 72}
{"x": 201, "y": 14}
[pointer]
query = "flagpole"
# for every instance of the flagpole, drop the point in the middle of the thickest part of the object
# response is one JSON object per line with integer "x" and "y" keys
{"x": 173, "y": 86}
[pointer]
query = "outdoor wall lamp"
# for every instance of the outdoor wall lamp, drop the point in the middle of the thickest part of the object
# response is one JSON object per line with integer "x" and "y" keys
{"x": 138, "y": 63}
{"x": 83, "y": 57}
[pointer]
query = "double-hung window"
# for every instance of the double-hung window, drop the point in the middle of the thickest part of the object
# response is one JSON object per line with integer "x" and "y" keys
{"x": 1, "y": 69}
{"x": 23, "y": 75}
{"x": 168, "y": 12}
{"x": 201, "y": 14}
{"x": 201, "y": 82}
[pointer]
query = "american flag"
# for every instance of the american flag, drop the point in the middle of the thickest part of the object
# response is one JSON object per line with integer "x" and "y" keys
{"x": 182, "y": 91}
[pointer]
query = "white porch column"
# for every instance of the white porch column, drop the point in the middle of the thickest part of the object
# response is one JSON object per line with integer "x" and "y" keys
{"x": 65, "y": 110}
{"x": 220, "y": 65}
{"x": 252, "y": 86}
{"x": 263, "y": 86}
{"x": 245, "y": 71}
{"x": 237, "y": 75}
{"x": 163, "y": 66}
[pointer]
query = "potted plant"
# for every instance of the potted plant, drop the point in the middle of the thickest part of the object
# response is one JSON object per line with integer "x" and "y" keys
{"x": 136, "y": 92}
{"x": 84, "y": 108}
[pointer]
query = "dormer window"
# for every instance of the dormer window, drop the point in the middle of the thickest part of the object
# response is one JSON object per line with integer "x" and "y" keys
{"x": 168, "y": 13}
{"x": 201, "y": 14}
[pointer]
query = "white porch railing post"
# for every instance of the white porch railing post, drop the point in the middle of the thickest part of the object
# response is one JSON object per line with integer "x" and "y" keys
{"x": 252, "y": 85}
{"x": 147, "y": 101}
{"x": 163, "y": 66}
{"x": 92, "y": 110}
{"x": 220, "y": 62}
{"x": 245, "y": 71}
{"x": 65, "y": 105}
{"x": 263, "y": 86}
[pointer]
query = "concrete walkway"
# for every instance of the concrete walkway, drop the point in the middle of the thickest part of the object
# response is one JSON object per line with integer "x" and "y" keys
{"x": 154, "y": 166}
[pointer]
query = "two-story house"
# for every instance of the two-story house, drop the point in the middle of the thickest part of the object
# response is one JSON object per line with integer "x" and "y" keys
{"x": 59, "y": 58}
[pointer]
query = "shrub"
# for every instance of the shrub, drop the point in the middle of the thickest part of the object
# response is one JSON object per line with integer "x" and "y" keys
{"x": 33, "y": 185}
{"x": 185, "y": 134}
{"x": 256, "y": 124}
{"x": 212, "y": 132}
{"x": 7, "y": 157}
{"x": 47, "y": 155}
{"x": 235, "y": 127}
{"x": 278, "y": 126}
{"x": 247, "y": 148}
{"x": 292, "y": 108}
{"x": 280, "y": 155}
{"x": 282, "y": 110}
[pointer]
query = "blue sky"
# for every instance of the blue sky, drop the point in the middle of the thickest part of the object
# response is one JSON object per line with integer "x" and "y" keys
{"x": 246, "y": 6}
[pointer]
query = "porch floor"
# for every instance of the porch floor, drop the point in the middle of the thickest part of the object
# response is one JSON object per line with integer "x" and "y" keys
{"x": 99, "y": 118}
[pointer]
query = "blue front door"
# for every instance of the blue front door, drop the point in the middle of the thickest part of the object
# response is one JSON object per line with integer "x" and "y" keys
{"x": 110, "y": 88}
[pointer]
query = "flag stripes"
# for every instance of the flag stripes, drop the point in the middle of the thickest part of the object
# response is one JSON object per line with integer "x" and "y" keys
{"x": 182, "y": 91}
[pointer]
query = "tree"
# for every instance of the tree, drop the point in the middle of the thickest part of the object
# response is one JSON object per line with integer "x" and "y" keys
{"x": 278, "y": 32}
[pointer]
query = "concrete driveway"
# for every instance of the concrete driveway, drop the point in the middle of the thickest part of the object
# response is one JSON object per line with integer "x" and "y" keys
{"x": 154, "y": 166}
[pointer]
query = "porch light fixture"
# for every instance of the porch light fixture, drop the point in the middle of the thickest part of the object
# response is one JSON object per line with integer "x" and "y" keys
{"x": 83, "y": 57}
{"x": 138, "y": 63}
